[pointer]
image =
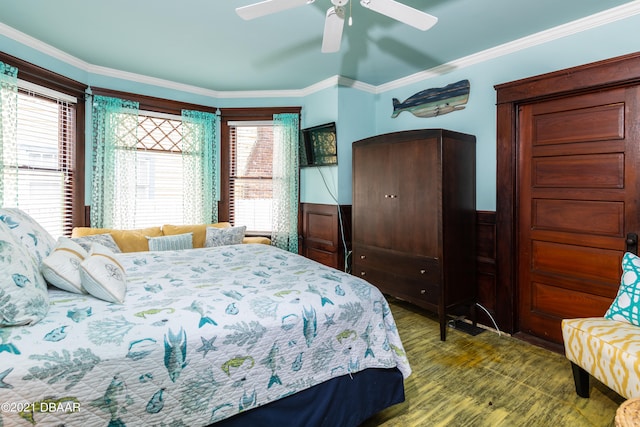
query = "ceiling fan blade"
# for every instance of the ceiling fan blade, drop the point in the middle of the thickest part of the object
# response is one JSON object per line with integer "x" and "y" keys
{"x": 333, "y": 26}
{"x": 268, "y": 7}
{"x": 401, "y": 12}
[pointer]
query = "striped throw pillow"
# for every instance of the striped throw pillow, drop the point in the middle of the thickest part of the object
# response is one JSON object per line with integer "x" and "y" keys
{"x": 171, "y": 243}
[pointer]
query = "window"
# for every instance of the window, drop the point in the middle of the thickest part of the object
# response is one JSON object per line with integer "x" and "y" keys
{"x": 50, "y": 148}
{"x": 250, "y": 189}
{"x": 246, "y": 136}
{"x": 46, "y": 160}
{"x": 165, "y": 171}
{"x": 159, "y": 183}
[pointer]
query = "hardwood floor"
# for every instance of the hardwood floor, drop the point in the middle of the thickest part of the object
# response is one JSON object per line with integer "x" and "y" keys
{"x": 487, "y": 380}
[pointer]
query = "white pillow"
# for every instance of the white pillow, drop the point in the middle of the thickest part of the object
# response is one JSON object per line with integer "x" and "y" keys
{"x": 28, "y": 232}
{"x": 62, "y": 267}
{"x": 102, "y": 275}
{"x": 24, "y": 299}
{"x": 171, "y": 243}
{"x": 224, "y": 236}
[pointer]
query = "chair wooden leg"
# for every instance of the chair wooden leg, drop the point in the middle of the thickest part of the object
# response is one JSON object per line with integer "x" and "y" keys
{"x": 581, "y": 380}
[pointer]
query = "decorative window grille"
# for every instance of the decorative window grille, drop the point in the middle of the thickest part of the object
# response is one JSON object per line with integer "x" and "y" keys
{"x": 159, "y": 174}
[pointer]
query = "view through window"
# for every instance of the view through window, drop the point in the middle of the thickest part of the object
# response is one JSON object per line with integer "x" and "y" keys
{"x": 250, "y": 177}
{"x": 159, "y": 174}
{"x": 45, "y": 157}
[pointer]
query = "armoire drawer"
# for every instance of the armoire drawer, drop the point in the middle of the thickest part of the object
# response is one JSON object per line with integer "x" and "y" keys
{"x": 416, "y": 291}
{"x": 412, "y": 267}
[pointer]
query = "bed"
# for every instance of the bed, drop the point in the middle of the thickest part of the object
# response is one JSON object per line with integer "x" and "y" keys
{"x": 235, "y": 335}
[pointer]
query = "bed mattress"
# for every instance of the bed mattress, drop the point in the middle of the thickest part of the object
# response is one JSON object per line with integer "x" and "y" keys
{"x": 203, "y": 335}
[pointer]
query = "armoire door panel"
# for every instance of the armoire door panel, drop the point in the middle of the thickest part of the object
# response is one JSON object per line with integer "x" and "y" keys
{"x": 578, "y": 157}
{"x": 371, "y": 225}
{"x": 578, "y": 216}
{"x": 416, "y": 221}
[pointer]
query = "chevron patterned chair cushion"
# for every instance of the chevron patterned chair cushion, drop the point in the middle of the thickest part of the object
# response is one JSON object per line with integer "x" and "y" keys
{"x": 607, "y": 349}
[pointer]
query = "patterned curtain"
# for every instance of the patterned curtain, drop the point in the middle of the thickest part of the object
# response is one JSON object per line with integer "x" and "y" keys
{"x": 200, "y": 141}
{"x": 285, "y": 182}
{"x": 114, "y": 142}
{"x": 8, "y": 135}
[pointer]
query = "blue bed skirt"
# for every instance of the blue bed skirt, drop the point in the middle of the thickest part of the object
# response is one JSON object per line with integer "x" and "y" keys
{"x": 345, "y": 401}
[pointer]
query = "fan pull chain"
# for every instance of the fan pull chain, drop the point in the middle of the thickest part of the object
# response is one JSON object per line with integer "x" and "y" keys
{"x": 350, "y": 19}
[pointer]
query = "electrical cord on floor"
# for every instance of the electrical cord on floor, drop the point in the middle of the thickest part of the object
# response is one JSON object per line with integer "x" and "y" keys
{"x": 490, "y": 317}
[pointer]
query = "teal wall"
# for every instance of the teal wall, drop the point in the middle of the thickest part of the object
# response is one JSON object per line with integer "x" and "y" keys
{"x": 319, "y": 184}
{"x": 357, "y": 121}
{"x": 479, "y": 116}
{"x": 362, "y": 113}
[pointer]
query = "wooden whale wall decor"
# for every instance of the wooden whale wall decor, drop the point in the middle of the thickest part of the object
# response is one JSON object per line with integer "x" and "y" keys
{"x": 435, "y": 101}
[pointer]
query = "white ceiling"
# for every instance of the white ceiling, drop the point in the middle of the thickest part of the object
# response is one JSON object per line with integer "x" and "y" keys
{"x": 204, "y": 43}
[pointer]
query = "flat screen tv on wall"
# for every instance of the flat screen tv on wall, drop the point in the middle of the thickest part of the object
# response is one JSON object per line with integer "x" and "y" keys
{"x": 318, "y": 145}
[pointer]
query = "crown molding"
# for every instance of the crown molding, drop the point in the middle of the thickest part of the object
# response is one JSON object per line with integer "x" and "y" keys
{"x": 593, "y": 21}
{"x": 153, "y": 81}
{"x": 42, "y": 47}
{"x": 574, "y": 27}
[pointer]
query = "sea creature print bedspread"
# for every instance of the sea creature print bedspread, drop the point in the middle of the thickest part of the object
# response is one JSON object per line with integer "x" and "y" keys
{"x": 203, "y": 334}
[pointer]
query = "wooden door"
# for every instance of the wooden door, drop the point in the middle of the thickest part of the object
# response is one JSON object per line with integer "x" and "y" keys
{"x": 578, "y": 200}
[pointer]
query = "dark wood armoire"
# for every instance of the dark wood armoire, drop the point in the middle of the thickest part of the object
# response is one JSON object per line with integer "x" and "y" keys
{"x": 414, "y": 217}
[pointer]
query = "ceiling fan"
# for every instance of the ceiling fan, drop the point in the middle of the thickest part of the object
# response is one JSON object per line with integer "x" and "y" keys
{"x": 334, "y": 21}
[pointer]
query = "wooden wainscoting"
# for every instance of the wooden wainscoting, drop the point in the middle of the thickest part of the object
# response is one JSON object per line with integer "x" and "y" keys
{"x": 325, "y": 231}
{"x": 486, "y": 266}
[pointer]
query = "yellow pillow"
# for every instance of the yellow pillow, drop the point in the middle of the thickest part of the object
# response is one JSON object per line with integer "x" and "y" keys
{"x": 199, "y": 231}
{"x": 257, "y": 239}
{"x": 127, "y": 240}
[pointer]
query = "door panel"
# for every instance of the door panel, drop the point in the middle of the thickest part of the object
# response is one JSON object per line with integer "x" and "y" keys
{"x": 574, "y": 261}
{"x": 576, "y": 171}
{"x": 371, "y": 227}
{"x": 596, "y": 123}
{"x": 417, "y": 215}
{"x": 568, "y": 215}
{"x": 577, "y": 187}
{"x": 551, "y": 299}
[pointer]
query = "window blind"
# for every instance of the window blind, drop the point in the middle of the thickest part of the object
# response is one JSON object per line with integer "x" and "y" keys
{"x": 250, "y": 175}
{"x": 45, "y": 158}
